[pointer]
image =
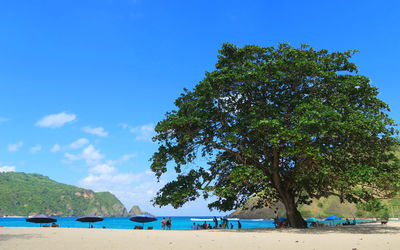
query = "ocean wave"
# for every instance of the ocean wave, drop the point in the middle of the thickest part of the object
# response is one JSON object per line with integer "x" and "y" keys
{"x": 211, "y": 219}
{"x": 199, "y": 219}
{"x": 244, "y": 219}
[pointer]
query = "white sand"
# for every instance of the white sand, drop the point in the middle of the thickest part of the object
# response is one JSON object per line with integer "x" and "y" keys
{"x": 367, "y": 236}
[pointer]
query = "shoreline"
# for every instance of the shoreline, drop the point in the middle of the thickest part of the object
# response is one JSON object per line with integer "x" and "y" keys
{"x": 364, "y": 236}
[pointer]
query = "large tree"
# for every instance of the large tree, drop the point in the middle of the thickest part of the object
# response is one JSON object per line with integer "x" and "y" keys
{"x": 284, "y": 123}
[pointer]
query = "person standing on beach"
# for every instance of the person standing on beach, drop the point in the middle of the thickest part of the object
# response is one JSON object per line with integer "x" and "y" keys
{"x": 169, "y": 223}
{"x": 216, "y": 222}
{"x": 276, "y": 219}
{"x": 239, "y": 224}
{"x": 163, "y": 223}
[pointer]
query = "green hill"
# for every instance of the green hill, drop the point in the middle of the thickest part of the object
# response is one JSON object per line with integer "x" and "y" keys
{"x": 321, "y": 208}
{"x": 29, "y": 194}
{"x": 326, "y": 206}
{"x": 135, "y": 210}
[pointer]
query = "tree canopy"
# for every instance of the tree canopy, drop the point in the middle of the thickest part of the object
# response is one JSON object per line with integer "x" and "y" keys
{"x": 281, "y": 122}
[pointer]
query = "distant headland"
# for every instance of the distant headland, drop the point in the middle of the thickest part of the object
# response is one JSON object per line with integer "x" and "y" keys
{"x": 23, "y": 194}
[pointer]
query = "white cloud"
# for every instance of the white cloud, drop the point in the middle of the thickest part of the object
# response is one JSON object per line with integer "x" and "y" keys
{"x": 108, "y": 182}
{"x": 95, "y": 131}
{"x": 35, "y": 149}
{"x": 131, "y": 189}
{"x": 79, "y": 143}
{"x": 144, "y": 133}
{"x": 102, "y": 169}
{"x": 103, "y": 175}
{"x": 121, "y": 160}
{"x": 105, "y": 180}
{"x": 55, "y": 148}
{"x": 90, "y": 155}
{"x": 3, "y": 119}
{"x": 5, "y": 169}
{"x": 127, "y": 157}
{"x": 72, "y": 157}
{"x": 56, "y": 120}
{"x": 15, "y": 147}
{"x": 124, "y": 125}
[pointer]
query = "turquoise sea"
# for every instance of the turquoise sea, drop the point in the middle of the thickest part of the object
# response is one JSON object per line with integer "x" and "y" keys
{"x": 178, "y": 222}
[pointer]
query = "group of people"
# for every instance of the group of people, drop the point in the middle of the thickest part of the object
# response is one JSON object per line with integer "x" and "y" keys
{"x": 318, "y": 224}
{"x": 279, "y": 223}
{"x": 349, "y": 223}
{"x": 199, "y": 227}
{"x": 166, "y": 224}
{"x": 224, "y": 225}
{"x": 346, "y": 223}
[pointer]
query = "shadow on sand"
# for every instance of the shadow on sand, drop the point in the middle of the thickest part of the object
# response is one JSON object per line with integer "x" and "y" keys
{"x": 5, "y": 237}
{"x": 358, "y": 229}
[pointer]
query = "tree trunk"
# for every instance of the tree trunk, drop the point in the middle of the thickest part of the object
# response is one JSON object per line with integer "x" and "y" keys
{"x": 287, "y": 198}
{"x": 293, "y": 215}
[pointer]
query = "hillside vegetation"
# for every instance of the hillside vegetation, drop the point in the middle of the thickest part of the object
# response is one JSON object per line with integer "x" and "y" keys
{"x": 29, "y": 194}
{"x": 323, "y": 208}
{"x": 135, "y": 211}
{"x": 326, "y": 206}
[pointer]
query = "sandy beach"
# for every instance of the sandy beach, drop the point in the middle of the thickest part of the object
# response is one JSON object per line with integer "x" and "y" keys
{"x": 366, "y": 236}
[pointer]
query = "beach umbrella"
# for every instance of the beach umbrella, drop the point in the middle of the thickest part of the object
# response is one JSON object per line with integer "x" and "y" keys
{"x": 90, "y": 218}
{"x": 332, "y": 217}
{"x": 312, "y": 219}
{"x": 40, "y": 218}
{"x": 143, "y": 219}
{"x": 282, "y": 219}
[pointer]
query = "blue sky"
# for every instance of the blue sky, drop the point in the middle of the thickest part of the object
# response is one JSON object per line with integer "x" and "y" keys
{"x": 83, "y": 83}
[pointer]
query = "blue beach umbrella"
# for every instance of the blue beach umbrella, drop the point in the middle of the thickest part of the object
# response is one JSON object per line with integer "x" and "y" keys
{"x": 332, "y": 217}
{"x": 312, "y": 219}
{"x": 282, "y": 219}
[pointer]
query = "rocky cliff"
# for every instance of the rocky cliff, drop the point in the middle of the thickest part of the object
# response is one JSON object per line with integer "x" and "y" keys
{"x": 135, "y": 210}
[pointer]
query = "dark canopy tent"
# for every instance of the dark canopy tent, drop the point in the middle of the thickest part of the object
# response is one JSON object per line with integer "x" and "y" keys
{"x": 143, "y": 219}
{"x": 41, "y": 218}
{"x": 90, "y": 218}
